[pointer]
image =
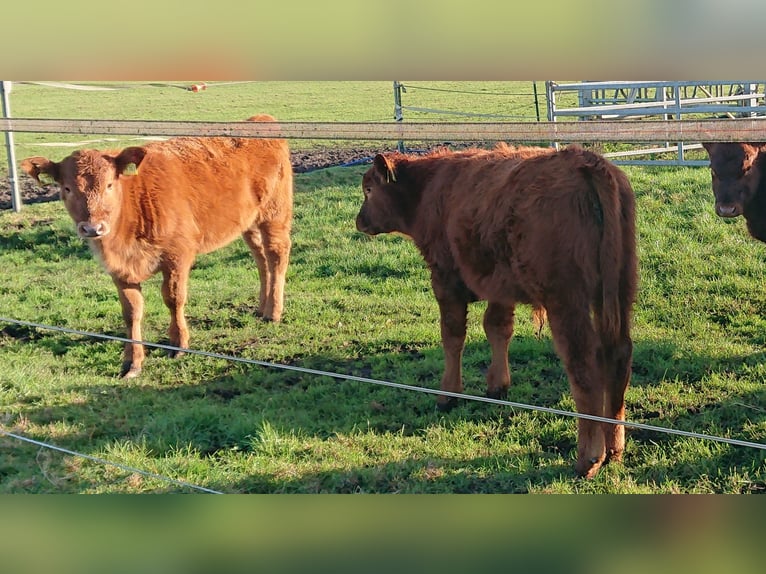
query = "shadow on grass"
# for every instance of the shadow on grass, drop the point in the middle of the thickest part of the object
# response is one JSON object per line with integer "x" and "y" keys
{"x": 225, "y": 413}
{"x": 427, "y": 475}
{"x": 41, "y": 236}
{"x": 55, "y": 343}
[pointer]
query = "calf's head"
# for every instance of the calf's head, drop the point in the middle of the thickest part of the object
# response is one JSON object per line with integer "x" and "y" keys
{"x": 735, "y": 169}
{"x": 386, "y": 207}
{"x": 91, "y": 185}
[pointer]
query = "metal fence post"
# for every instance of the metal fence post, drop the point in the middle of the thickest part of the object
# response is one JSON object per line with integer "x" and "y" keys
{"x": 537, "y": 101}
{"x": 550, "y": 97}
{"x": 678, "y": 117}
{"x": 5, "y": 89}
{"x": 398, "y": 109}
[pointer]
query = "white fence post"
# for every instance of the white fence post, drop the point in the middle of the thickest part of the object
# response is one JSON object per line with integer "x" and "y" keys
{"x": 398, "y": 116}
{"x": 5, "y": 88}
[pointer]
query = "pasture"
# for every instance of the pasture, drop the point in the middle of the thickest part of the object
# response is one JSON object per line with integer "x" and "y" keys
{"x": 359, "y": 306}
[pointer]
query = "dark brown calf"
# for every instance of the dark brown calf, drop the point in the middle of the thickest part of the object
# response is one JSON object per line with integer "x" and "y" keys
{"x": 552, "y": 229}
{"x": 739, "y": 185}
{"x": 156, "y": 207}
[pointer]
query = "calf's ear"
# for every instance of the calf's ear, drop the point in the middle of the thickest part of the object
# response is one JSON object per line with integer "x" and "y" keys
{"x": 751, "y": 154}
{"x": 384, "y": 168}
{"x": 129, "y": 160}
{"x": 43, "y": 170}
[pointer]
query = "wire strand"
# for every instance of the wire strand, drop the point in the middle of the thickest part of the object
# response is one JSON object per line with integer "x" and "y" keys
{"x": 466, "y": 114}
{"x": 432, "y": 89}
{"x": 108, "y": 462}
{"x": 317, "y": 372}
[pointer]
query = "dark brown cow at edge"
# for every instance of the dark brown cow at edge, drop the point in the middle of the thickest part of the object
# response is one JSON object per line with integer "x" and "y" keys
{"x": 524, "y": 225}
{"x": 739, "y": 185}
{"x": 186, "y": 196}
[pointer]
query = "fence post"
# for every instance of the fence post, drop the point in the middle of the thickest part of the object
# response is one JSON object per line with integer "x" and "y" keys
{"x": 537, "y": 100}
{"x": 550, "y": 97}
{"x": 751, "y": 89}
{"x": 398, "y": 110}
{"x": 5, "y": 89}
{"x": 678, "y": 117}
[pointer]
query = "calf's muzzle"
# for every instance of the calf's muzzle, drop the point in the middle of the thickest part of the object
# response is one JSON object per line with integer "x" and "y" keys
{"x": 86, "y": 229}
{"x": 727, "y": 209}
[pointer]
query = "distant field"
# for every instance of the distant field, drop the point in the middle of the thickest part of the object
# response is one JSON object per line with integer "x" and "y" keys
{"x": 360, "y": 306}
{"x": 235, "y": 101}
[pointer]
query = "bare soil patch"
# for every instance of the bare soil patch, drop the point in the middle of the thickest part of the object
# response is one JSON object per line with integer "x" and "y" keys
{"x": 303, "y": 161}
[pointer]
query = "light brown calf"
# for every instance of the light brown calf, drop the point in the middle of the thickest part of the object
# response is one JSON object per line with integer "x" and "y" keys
{"x": 156, "y": 207}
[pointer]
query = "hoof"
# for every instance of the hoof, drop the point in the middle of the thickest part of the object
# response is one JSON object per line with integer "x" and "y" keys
{"x": 128, "y": 371}
{"x": 175, "y": 354}
{"x": 500, "y": 394}
{"x": 589, "y": 468}
{"x": 268, "y": 317}
{"x": 446, "y": 404}
{"x": 613, "y": 455}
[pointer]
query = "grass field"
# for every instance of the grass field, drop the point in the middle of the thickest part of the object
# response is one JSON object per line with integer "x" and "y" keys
{"x": 360, "y": 306}
{"x": 235, "y": 101}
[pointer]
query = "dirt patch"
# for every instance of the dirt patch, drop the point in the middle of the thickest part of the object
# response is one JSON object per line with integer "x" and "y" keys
{"x": 30, "y": 192}
{"x": 303, "y": 161}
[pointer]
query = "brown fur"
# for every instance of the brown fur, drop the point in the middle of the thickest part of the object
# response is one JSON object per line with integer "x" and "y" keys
{"x": 188, "y": 196}
{"x": 738, "y": 171}
{"x": 524, "y": 225}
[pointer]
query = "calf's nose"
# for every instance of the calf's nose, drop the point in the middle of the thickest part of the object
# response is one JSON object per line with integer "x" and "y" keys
{"x": 724, "y": 210}
{"x": 88, "y": 229}
{"x": 360, "y": 223}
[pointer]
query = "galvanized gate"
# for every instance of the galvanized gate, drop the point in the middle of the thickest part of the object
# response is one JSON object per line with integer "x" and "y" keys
{"x": 667, "y": 100}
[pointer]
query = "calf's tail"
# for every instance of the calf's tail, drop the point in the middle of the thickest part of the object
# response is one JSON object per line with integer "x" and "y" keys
{"x": 616, "y": 198}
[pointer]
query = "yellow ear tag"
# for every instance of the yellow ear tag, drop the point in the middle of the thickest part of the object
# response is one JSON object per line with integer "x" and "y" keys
{"x": 45, "y": 178}
{"x": 130, "y": 169}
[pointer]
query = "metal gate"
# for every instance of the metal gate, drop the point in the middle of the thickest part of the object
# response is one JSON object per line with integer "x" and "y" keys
{"x": 667, "y": 100}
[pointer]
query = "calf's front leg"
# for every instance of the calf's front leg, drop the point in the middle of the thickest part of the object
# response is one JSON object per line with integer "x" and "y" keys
{"x": 454, "y": 315}
{"x": 132, "y": 301}
{"x": 498, "y": 326}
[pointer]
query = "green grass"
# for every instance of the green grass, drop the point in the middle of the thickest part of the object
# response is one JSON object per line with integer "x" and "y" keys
{"x": 363, "y": 306}
{"x": 370, "y": 101}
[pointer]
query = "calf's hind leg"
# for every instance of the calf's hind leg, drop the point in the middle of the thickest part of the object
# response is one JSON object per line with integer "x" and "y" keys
{"x": 576, "y": 342}
{"x": 175, "y": 280}
{"x": 617, "y": 371}
{"x": 255, "y": 243}
{"x": 270, "y": 245}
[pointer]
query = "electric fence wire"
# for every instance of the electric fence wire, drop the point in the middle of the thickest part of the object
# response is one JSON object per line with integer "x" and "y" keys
{"x": 317, "y": 372}
{"x": 103, "y": 461}
{"x": 478, "y": 93}
{"x": 466, "y": 114}
{"x": 443, "y": 112}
